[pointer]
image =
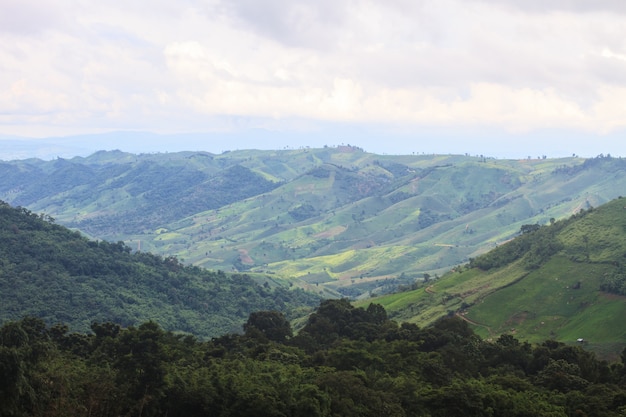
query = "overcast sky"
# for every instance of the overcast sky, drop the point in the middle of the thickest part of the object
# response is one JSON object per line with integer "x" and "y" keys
{"x": 501, "y": 77}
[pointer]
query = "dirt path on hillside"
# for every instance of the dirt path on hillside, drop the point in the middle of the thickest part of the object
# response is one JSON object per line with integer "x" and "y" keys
{"x": 430, "y": 290}
{"x": 470, "y": 321}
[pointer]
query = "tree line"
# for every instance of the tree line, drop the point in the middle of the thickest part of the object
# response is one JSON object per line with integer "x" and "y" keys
{"x": 345, "y": 361}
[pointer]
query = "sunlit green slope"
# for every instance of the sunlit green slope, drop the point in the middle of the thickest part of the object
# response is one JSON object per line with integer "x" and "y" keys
{"x": 564, "y": 281}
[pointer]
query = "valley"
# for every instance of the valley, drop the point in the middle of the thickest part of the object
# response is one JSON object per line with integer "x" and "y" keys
{"x": 513, "y": 247}
{"x": 335, "y": 220}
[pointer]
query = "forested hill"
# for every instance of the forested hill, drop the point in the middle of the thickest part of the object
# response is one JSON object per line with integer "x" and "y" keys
{"x": 56, "y": 274}
{"x": 339, "y": 219}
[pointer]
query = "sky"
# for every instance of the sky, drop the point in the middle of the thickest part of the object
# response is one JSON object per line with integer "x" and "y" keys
{"x": 507, "y": 78}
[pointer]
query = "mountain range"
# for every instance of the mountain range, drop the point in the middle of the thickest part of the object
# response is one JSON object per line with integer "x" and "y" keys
{"x": 531, "y": 248}
{"x": 335, "y": 220}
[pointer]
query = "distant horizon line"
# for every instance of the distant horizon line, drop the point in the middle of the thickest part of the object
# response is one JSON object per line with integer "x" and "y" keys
{"x": 492, "y": 144}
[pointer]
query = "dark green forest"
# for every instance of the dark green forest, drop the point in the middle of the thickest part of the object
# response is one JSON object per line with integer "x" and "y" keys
{"x": 56, "y": 274}
{"x": 346, "y": 361}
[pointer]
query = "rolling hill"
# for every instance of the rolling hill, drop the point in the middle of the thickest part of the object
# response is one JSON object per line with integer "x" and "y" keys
{"x": 564, "y": 281}
{"x": 337, "y": 220}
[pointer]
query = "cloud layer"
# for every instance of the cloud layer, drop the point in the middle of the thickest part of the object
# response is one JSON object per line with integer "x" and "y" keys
{"x": 75, "y": 65}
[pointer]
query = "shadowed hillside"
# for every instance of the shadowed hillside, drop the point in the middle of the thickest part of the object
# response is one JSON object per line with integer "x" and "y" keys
{"x": 53, "y": 273}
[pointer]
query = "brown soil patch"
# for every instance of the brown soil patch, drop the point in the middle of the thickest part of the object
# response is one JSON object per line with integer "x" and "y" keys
{"x": 612, "y": 297}
{"x": 334, "y": 231}
{"x": 245, "y": 258}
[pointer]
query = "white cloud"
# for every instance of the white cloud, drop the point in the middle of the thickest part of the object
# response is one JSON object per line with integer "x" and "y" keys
{"x": 167, "y": 66}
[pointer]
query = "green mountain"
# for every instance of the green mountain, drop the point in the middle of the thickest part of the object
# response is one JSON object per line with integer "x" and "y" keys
{"x": 337, "y": 220}
{"x": 564, "y": 281}
{"x": 56, "y": 274}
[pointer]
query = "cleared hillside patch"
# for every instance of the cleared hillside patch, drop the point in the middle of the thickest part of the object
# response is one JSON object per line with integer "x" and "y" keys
{"x": 546, "y": 303}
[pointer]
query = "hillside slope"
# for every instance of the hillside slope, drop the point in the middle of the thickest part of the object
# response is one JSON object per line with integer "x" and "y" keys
{"x": 53, "y": 273}
{"x": 564, "y": 281}
{"x": 338, "y": 219}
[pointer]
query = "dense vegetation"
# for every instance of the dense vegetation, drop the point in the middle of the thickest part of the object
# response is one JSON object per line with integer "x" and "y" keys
{"x": 339, "y": 219}
{"x": 345, "y": 362}
{"x": 615, "y": 282}
{"x": 53, "y": 273}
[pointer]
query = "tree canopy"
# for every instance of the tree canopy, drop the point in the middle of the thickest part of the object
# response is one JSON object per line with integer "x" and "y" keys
{"x": 370, "y": 366}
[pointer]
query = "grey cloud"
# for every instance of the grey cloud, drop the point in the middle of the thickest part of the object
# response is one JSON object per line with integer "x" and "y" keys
{"x": 299, "y": 23}
{"x": 29, "y": 17}
{"x": 536, "y": 52}
{"x": 541, "y": 6}
{"x": 609, "y": 70}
